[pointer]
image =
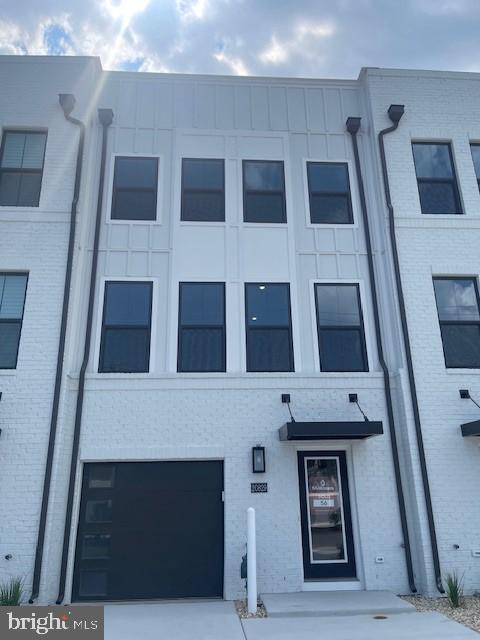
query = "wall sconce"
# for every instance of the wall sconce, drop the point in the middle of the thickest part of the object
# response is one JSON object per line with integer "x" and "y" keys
{"x": 258, "y": 459}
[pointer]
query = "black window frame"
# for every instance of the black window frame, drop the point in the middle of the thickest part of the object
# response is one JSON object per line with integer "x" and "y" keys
{"x": 191, "y": 190}
{"x": 106, "y": 327}
{"x": 347, "y": 193}
{"x": 453, "y": 181}
{"x": 249, "y": 329}
{"x": 5, "y": 132}
{"x": 475, "y": 144}
{"x": 263, "y": 191}
{"x": 357, "y": 327}
{"x": 457, "y": 323}
{"x": 135, "y": 189}
{"x": 18, "y": 321}
{"x": 200, "y": 327}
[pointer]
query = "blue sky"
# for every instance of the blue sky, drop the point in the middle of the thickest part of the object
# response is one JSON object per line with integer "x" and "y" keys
{"x": 309, "y": 38}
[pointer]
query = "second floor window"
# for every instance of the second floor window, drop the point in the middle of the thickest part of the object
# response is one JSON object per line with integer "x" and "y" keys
{"x": 12, "y": 299}
{"x": 203, "y": 190}
{"x": 329, "y": 193}
{"x": 458, "y": 312}
{"x": 476, "y": 160}
{"x": 126, "y": 327}
{"x": 437, "y": 182}
{"x": 264, "y": 191}
{"x": 135, "y": 182}
{"x": 21, "y": 168}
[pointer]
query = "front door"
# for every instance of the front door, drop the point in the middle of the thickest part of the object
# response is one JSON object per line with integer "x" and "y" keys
{"x": 327, "y": 536}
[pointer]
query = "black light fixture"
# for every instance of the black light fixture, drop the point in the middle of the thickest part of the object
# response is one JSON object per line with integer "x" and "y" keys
{"x": 465, "y": 395}
{"x": 353, "y": 398}
{"x": 258, "y": 459}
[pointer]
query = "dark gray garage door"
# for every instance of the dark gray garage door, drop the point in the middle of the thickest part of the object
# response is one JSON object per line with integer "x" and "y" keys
{"x": 150, "y": 530}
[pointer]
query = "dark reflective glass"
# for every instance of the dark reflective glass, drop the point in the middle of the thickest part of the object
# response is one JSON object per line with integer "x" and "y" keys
{"x": 29, "y": 193}
{"x": 93, "y": 583}
{"x": 134, "y": 205}
{"x": 136, "y": 173}
{"x": 269, "y": 350}
{"x": 96, "y": 546}
{"x": 202, "y": 350}
{"x": 98, "y": 511}
{"x": 101, "y": 476}
{"x": 476, "y": 159}
{"x": 125, "y": 350}
{"x": 438, "y": 197}
{"x": 199, "y": 173}
{"x": 333, "y": 209}
{"x": 337, "y": 305}
{"x": 263, "y": 176}
{"x": 201, "y": 206}
{"x": 456, "y": 299}
{"x": 328, "y": 178}
{"x": 268, "y": 305}
{"x": 128, "y": 303}
{"x": 461, "y": 345}
{"x": 432, "y": 160}
{"x": 341, "y": 350}
{"x": 9, "y": 188}
{"x": 202, "y": 303}
{"x": 9, "y": 340}
{"x": 264, "y": 207}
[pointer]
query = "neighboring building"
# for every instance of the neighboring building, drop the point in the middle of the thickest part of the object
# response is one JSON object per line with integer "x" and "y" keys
{"x": 232, "y": 266}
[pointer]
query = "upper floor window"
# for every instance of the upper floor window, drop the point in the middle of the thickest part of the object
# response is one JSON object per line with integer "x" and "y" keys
{"x": 21, "y": 168}
{"x": 329, "y": 193}
{"x": 201, "y": 329}
{"x": 12, "y": 299}
{"x": 437, "y": 182}
{"x": 341, "y": 336}
{"x": 269, "y": 327}
{"x": 264, "y": 191}
{"x": 135, "y": 183}
{"x": 203, "y": 190}
{"x": 125, "y": 341}
{"x": 476, "y": 160}
{"x": 458, "y": 313}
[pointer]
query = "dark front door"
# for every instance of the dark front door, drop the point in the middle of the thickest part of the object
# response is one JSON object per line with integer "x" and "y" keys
{"x": 150, "y": 530}
{"x": 327, "y": 537}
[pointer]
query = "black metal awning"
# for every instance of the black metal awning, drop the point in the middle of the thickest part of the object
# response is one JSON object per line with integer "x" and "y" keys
{"x": 471, "y": 428}
{"x": 330, "y": 430}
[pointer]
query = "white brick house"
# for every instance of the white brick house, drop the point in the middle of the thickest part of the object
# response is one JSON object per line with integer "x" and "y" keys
{"x": 220, "y": 193}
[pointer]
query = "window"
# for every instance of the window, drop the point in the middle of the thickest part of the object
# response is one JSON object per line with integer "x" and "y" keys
{"x": 329, "y": 193}
{"x": 201, "y": 329}
{"x": 269, "y": 327}
{"x": 437, "y": 183}
{"x": 12, "y": 299}
{"x": 125, "y": 343}
{"x": 458, "y": 313}
{"x": 263, "y": 191}
{"x": 203, "y": 190}
{"x": 135, "y": 188}
{"x": 341, "y": 337}
{"x": 21, "y": 168}
{"x": 476, "y": 160}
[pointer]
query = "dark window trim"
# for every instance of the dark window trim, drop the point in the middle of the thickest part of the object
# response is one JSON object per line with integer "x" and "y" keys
{"x": 16, "y": 320}
{"x": 222, "y": 327}
{"x": 457, "y": 323}
{"x": 106, "y": 327}
{"x": 353, "y": 327}
{"x": 281, "y": 192}
{"x": 452, "y": 181}
{"x": 39, "y": 131}
{"x": 270, "y": 327}
{"x": 135, "y": 189}
{"x": 184, "y": 190}
{"x": 475, "y": 144}
{"x": 347, "y": 193}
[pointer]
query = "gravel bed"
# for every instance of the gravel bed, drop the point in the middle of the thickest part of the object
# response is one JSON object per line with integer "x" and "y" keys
{"x": 242, "y": 610}
{"x": 468, "y": 613}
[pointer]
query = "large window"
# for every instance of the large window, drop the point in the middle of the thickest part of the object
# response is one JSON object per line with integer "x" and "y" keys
{"x": 12, "y": 299}
{"x": 203, "y": 190}
{"x": 458, "y": 313}
{"x": 201, "y": 329}
{"x": 264, "y": 191}
{"x": 135, "y": 182}
{"x": 329, "y": 193}
{"x": 127, "y": 311}
{"x": 21, "y": 168}
{"x": 437, "y": 183}
{"x": 269, "y": 327}
{"x": 341, "y": 337}
{"x": 476, "y": 160}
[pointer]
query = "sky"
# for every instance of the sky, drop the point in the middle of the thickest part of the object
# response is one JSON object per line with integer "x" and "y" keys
{"x": 297, "y": 38}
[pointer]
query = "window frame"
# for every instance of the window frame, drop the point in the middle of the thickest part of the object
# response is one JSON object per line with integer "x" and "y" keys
{"x": 473, "y": 279}
{"x": 475, "y": 144}
{"x": 244, "y": 191}
{"x": 184, "y": 189}
{"x": 348, "y": 193}
{"x": 18, "y": 321}
{"x": 453, "y": 180}
{"x": 39, "y": 131}
{"x": 202, "y": 326}
{"x": 270, "y": 327}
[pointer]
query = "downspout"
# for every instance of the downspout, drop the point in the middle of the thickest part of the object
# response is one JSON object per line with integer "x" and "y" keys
{"x": 395, "y": 112}
{"x": 353, "y": 125}
{"x": 106, "y": 117}
{"x": 67, "y": 102}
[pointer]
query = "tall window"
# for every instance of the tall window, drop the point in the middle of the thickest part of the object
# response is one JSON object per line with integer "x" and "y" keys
{"x": 203, "y": 190}
{"x": 437, "y": 182}
{"x": 341, "y": 337}
{"x": 12, "y": 299}
{"x": 269, "y": 327}
{"x": 458, "y": 313}
{"x": 135, "y": 182}
{"x": 329, "y": 193}
{"x": 476, "y": 160}
{"x": 201, "y": 329}
{"x": 125, "y": 343}
{"x": 21, "y": 168}
{"x": 264, "y": 191}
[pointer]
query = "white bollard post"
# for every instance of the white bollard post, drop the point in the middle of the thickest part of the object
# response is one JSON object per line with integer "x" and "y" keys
{"x": 251, "y": 561}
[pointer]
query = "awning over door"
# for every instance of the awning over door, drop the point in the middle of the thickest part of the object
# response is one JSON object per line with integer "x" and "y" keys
{"x": 471, "y": 428}
{"x": 330, "y": 430}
